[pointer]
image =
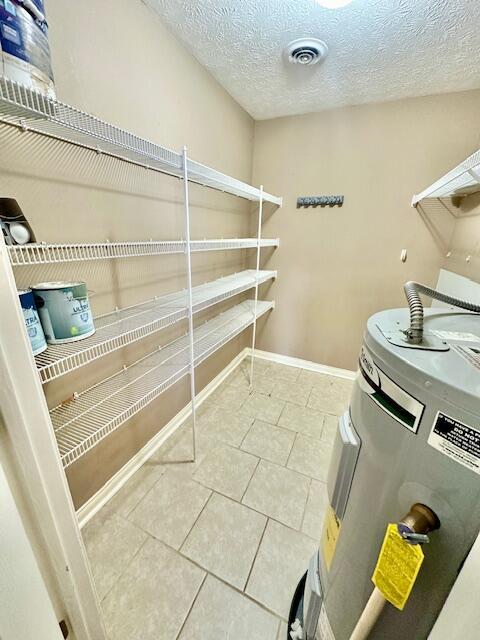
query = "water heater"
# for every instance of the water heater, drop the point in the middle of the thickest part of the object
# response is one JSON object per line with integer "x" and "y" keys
{"x": 411, "y": 436}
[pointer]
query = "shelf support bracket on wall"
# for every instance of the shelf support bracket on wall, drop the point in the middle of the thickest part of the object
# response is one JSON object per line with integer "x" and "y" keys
{"x": 259, "y": 238}
{"x": 188, "y": 252}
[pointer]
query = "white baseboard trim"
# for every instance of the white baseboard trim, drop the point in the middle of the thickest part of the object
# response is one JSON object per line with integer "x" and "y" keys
{"x": 116, "y": 482}
{"x": 303, "y": 364}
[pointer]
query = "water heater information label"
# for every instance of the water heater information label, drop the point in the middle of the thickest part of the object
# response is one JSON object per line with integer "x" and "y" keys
{"x": 397, "y": 567}
{"x": 456, "y": 440}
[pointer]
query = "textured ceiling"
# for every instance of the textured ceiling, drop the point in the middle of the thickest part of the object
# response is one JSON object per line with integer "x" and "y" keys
{"x": 379, "y": 49}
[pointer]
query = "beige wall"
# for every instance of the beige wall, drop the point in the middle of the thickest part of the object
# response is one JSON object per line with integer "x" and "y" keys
{"x": 116, "y": 60}
{"x": 338, "y": 266}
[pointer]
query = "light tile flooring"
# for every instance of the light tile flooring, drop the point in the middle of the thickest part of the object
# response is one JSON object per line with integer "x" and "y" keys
{"x": 214, "y": 549}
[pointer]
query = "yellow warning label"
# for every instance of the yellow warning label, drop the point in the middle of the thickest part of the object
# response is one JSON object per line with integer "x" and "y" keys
{"x": 331, "y": 530}
{"x": 397, "y": 567}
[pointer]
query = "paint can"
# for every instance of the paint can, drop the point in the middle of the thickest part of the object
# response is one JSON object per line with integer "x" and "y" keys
{"x": 32, "y": 321}
{"x": 64, "y": 311}
{"x": 24, "y": 48}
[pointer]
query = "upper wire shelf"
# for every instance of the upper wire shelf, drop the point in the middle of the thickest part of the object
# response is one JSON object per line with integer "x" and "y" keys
{"x": 33, "y": 111}
{"x": 125, "y": 326}
{"x": 45, "y": 253}
{"x": 460, "y": 182}
{"x": 89, "y": 417}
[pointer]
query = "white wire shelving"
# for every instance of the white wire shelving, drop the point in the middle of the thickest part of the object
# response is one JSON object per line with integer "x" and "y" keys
{"x": 87, "y": 418}
{"x": 46, "y": 253}
{"x": 83, "y": 421}
{"x": 125, "y": 326}
{"x": 460, "y": 182}
{"x": 33, "y": 111}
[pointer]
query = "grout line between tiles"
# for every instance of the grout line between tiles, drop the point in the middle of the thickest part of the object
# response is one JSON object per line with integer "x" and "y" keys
{"x": 305, "y": 506}
{"x": 281, "y": 413}
{"x": 191, "y": 606}
{"x": 197, "y": 518}
{"x": 290, "y": 454}
{"x": 273, "y": 518}
{"x": 308, "y": 399}
{"x": 240, "y": 500}
{"x": 246, "y": 434}
{"x": 323, "y": 427}
{"x": 207, "y": 572}
{"x": 127, "y": 515}
{"x": 235, "y": 588}
{"x": 128, "y": 563}
{"x": 248, "y": 484}
{"x": 247, "y": 506}
{"x": 251, "y": 599}
{"x": 213, "y": 492}
{"x": 255, "y": 556}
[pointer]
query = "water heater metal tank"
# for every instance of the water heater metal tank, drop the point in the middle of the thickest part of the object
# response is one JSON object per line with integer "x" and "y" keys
{"x": 412, "y": 435}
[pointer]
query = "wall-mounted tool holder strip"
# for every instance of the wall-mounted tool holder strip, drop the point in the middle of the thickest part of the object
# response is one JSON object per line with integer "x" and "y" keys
{"x": 320, "y": 201}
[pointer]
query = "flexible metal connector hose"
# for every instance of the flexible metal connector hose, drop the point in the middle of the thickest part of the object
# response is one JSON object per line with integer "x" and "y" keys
{"x": 413, "y": 291}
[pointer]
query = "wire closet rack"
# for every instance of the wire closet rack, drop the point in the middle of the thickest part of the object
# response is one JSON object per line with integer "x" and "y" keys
{"x": 48, "y": 442}
{"x": 461, "y": 181}
{"x": 86, "y": 419}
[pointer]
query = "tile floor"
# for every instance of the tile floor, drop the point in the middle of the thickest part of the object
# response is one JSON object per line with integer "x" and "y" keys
{"x": 214, "y": 549}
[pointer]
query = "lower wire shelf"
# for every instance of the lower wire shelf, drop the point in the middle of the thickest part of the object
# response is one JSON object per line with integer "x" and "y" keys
{"x": 122, "y": 327}
{"x": 86, "y": 419}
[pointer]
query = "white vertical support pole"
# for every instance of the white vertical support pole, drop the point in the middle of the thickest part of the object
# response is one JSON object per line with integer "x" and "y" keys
{"x": 188, "y": 252}
{"x": 259, "y": 237}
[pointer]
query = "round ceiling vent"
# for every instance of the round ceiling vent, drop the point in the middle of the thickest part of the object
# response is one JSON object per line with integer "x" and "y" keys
{"x": 306, "y": 51}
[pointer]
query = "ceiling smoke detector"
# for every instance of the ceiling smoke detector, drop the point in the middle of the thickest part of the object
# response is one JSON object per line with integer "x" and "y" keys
{"x": 306, "y": 51}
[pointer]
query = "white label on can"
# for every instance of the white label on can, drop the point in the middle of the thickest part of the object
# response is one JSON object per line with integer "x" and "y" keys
{"x": 324, "y": 629}
{"x": 458, "y": 441}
